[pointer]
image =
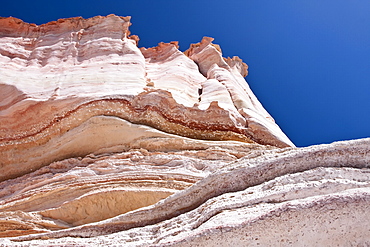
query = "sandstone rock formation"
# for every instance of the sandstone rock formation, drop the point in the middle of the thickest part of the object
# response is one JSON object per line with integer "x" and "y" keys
{"x": 105, "y": 143}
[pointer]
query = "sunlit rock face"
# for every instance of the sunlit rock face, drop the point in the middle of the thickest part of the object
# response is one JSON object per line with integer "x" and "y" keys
{"x": 105, "y": 143}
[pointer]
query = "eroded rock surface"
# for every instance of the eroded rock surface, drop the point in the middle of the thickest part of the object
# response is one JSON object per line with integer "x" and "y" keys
{"x": 105, "y": 143}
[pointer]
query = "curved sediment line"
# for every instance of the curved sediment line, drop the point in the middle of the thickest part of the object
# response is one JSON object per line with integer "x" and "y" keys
{"x": 315, "y": 182}
{"x": 124, "y": 109}
{"x": 276, "y": 198}
{"x": 98, "y": 134}
{"x": 339, "y": 218}
{"x": 236, "y": 177}
{"x": 171, "y": 118}
{"x": 30, "y": 201}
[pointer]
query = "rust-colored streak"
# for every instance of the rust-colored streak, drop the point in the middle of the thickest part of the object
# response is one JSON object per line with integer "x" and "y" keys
{"x": 138, "y": 114}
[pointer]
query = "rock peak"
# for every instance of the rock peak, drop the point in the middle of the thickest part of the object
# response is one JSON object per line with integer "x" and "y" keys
{"x": 14, "y": 27}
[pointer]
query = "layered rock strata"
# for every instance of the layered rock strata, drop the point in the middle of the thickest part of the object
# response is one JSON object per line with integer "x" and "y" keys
{"x": 105, "y": 143}
{"x": 57, "y": 76}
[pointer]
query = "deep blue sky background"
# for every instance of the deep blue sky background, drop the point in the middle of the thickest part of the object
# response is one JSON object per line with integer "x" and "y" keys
{"x": 309, "y": 61}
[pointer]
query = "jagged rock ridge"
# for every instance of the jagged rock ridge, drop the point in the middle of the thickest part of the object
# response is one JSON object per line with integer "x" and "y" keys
{"x": 123, "y": 145}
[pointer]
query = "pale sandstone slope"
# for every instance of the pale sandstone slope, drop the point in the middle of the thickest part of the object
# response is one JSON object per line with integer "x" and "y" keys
{"x": 105, "y": 143}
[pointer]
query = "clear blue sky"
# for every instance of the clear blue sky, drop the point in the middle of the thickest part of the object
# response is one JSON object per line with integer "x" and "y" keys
{"x": 309, "y": 61}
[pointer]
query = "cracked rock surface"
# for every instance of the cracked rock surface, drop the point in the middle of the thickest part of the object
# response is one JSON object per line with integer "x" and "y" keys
{"x": 103, "y": 143}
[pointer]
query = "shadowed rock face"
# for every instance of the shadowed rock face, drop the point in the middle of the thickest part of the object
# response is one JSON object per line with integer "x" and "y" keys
{"x": 109, "y": 143}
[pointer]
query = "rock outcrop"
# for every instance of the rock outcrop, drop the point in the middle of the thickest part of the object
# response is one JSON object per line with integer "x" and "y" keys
{"x": 105, "y": 143}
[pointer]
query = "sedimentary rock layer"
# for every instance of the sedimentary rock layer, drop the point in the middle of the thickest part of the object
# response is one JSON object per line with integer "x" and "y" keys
{"x": 105, "y": 143}
{"x": 318, "y": 195}
{"x": 56, "y": 77}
